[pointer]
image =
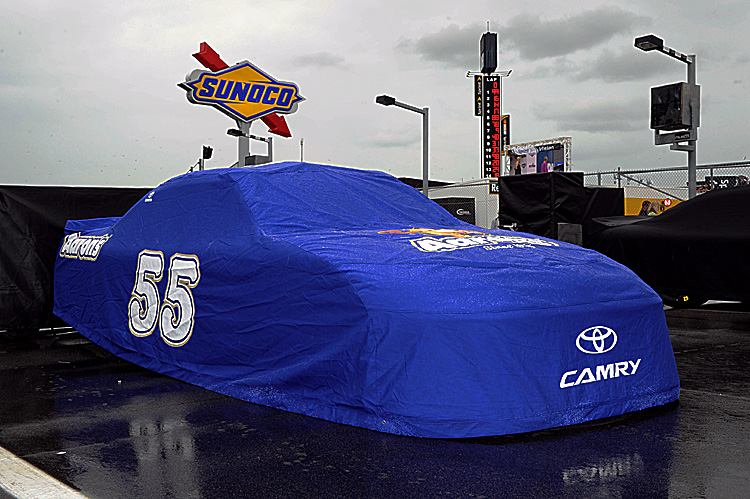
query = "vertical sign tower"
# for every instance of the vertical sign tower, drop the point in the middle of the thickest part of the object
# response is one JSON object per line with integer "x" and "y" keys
{"x": 491, "y": 110}
{"x": 492, "y": 157}
{"x": 488, "y": 88}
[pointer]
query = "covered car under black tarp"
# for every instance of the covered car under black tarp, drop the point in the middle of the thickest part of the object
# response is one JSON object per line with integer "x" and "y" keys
{"x": 695, "y": 251}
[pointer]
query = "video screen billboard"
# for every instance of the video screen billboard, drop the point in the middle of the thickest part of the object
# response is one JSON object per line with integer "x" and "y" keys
{"x": 539, "y": 157}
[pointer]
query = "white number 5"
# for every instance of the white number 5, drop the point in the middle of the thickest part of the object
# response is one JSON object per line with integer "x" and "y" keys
{"x": 178, "y": 312}
{"x": 176, "y": 316}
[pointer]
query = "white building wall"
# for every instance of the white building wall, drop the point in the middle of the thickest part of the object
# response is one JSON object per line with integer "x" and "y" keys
{"x": 485, "y": 204}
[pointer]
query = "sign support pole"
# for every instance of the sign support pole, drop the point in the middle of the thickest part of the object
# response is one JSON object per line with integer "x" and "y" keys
{"x": 692, "y": 167}
{"x": 425, "y": 152}
{"x": 243, "y": 143}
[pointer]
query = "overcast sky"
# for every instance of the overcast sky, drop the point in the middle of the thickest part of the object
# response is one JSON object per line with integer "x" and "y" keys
{"x": 89, "y": 95}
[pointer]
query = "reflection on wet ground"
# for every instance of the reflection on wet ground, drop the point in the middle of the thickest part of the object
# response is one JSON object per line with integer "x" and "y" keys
{"x": 114, "y": 430}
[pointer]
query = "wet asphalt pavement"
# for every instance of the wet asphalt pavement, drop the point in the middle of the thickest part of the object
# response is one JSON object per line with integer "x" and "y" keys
{"x": 113, "y": 430}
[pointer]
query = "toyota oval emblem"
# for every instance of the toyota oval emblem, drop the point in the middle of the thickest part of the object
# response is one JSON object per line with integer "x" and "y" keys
{"x": 597, "y": 339}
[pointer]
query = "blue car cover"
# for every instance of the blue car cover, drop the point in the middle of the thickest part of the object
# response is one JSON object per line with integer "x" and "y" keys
{"x": 347, "y": 295}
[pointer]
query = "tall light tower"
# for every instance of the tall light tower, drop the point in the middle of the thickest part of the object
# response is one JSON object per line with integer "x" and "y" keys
{"x": 676, "y": 108}
{"x": 387, "y": 100}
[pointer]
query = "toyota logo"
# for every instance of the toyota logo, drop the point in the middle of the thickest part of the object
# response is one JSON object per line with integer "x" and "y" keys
{"x": 597, "y": 339}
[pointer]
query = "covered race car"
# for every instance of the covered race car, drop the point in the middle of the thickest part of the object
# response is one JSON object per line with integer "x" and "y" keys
{"x": 689, "y": 254}
{"x": 346, "y": 295}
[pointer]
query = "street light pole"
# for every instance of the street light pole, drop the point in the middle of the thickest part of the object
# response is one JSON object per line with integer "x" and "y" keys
{"x": 243, "y": 142}
{"x": 425, "y": 151}
{"x": 692, "y": 144}
{"x": 243, "y": 149}
{"x": 387, "y": 100}
{"x": 652, "y": 42}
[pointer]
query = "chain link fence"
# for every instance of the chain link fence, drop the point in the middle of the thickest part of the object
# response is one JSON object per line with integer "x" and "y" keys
{"x": 672, "y": 182}
{"x": 475, "y": 201}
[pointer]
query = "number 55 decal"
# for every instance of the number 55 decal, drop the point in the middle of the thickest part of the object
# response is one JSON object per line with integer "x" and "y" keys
{"x": 176, "y": 316}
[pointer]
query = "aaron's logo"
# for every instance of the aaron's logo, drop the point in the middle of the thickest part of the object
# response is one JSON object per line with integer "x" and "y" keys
{"x": 82, "y": 247}
{"x": 442, "y": 240}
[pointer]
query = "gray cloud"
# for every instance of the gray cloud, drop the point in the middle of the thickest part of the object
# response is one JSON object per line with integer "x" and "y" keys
{"x": 321, "y": 60}
{"x": 563, "y": 68}
{"x": 628, "y": 64}
{"x": 395, "y": 138}
{"x": 531, "y": 35}
{"x": 596, "y": 117}
{"x": 452, "y": 46}
{"x": 537, "y": 38}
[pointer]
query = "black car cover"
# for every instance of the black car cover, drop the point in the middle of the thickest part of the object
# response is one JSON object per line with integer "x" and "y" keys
{"x": 699, "y": 247}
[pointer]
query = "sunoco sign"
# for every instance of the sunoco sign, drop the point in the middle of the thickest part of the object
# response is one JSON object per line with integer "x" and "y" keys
{"x": 243, "y": 92}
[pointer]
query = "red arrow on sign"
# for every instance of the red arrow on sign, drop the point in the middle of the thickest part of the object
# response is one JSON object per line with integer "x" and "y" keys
{"x": 210, "y": 59}
{"x": 276, "y": 124}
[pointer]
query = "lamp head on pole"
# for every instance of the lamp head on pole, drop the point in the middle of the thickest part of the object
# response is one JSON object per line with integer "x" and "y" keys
{"x": 649, "y": 42}
{"x": 385, "y": 100}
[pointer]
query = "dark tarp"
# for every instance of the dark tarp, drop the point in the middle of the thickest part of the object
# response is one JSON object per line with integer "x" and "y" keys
{"x": 417, "y": 182}
{"x": 32, "y": 224}
{"x": 699, "y": 247}
{"x": 538, "y": 202}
